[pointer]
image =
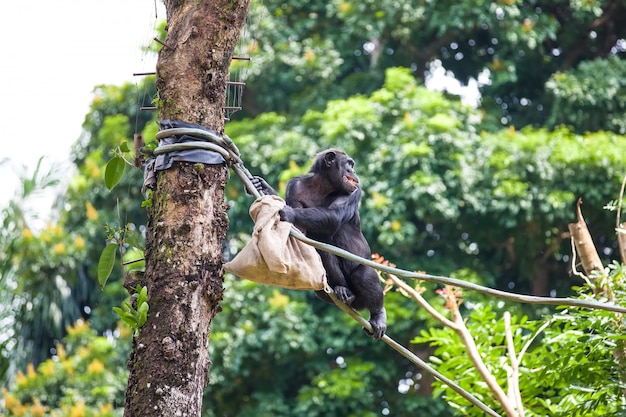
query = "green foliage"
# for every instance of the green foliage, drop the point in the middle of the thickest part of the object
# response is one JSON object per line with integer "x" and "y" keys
{"x": 114, "y": 172}
{"x": 305, "y": 54}
{"x": 49, "y": 269}
{"x": 575, "y": 367}
{"x": 135, "y": 313}
{"x": 438, "y": 193}
{"x": 107, "y": 132}
{"x": 286, "y": 353}
{"x": 24, "y": 291}
{"x": 41, "y": 275}
{"x": 592, "y": 97}
{"x": 85, "y": 377}
{"x": 106, "y": 263}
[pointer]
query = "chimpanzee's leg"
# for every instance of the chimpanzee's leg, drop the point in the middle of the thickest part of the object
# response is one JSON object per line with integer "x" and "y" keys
{"x": 336, "y": 280}
{"x": 368, "y": 293}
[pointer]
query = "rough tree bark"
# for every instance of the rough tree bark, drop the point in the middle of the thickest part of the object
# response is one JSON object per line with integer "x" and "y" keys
{"x": 187, "y": 223}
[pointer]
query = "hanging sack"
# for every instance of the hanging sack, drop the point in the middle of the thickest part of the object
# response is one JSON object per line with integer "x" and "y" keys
{"x": 275, "y": 257}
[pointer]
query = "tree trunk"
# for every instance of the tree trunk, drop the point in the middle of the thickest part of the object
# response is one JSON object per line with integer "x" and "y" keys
{"x": 187, "y": 222}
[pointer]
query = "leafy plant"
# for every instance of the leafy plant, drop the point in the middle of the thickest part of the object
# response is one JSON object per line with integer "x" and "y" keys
{"x": 135, "y": 313}
{"x": 85, "y": 377}
{"x": 129, "y": 241}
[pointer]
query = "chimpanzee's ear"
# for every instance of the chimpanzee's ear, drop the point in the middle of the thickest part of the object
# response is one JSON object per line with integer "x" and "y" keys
{"x": 329, "y": 158}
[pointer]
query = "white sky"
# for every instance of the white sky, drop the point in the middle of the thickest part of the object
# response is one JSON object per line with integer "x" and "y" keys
{"x": 53, "y": 53}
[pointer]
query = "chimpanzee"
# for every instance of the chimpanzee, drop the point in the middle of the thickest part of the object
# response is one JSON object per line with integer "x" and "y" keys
{"x": 324, "y": 203}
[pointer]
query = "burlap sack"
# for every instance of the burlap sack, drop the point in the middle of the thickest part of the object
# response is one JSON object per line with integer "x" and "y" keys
{"x": 273, "y": 256}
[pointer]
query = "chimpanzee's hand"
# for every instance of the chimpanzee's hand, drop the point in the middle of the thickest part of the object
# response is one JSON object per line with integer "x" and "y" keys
{"x": 287, "y": 214}
{"x": 262, "y": 186}
{"x": 344, "y": 294}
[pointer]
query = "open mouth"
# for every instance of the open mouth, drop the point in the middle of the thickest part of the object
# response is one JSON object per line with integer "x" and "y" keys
{"x": 352, "y": 181}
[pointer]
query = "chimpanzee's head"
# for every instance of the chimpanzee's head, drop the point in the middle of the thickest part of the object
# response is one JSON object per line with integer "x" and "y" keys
{"x": 338, "y": 168}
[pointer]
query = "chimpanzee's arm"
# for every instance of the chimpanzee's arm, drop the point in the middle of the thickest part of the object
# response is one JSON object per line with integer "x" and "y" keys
{"x": 322, "y": 220}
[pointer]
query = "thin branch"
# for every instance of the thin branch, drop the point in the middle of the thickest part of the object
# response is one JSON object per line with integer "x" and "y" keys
{"x": 556, "y": 243}
{"x": 514, "y": 373}
{"x": 619, "y": 203}
{"x": 574, "y": 270}
{"x": 526, "y": 346}
{"x": 621, "y": 240}
{"x": 479, "y": 364}
{"x": 422, "y": 302}
{"x": 458, "y": 325}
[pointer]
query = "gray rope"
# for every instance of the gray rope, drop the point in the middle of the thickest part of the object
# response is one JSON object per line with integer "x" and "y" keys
{"x": 528, "y": 299}
{"x": 220, "y": 144}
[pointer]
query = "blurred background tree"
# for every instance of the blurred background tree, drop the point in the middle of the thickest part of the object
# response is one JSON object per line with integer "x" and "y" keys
{"x": 306, "y": 53}
{"x": 483, "y": 193}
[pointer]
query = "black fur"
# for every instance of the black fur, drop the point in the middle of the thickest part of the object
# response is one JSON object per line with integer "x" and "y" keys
{"x": 325, "y": 204}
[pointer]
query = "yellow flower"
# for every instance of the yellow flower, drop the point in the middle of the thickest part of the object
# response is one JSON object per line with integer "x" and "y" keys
{"x": 396, "y": 225}
{"x": 59, "y": 248}
{"x": 79, "y": 327}
{"x": 30, "y": 371}
{"x": 79, "y": 242}
{"x": 408, "y": 120}
{"x": 95, "y": 367}
{"x": 309, "y": 56}
{"x": 511, "y": 131}
{"x": 61, "y": 353}
{"x": 378, "y": 199}
{"x": 10, "y": 401}
{"x": 20, "y": 379}
{"x": 496, "y": 65}
{"x": 527, "y": 25}
{"x": 37, "y": 409}
{"x": 92, "y": 213}
{"x": 82, "y": 352}
{"x": 123, "y": 330}
{"x": 344, "y": 7}
{"x": 78, "y": 410}
{"x": 107, "y": 408}
{"x": 68, "y": 366}
{"x": 27, "y": 234}
{"x": 278, "y": 300}
{"x": 92, "y": 168}
{"x": 47, "y": 368}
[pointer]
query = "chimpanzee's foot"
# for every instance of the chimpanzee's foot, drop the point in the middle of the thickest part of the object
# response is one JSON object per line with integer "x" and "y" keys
{"x": 378, "y": 320}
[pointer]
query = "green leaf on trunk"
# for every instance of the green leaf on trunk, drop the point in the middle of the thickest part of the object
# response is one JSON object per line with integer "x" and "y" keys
{"x": 114, "y": 172}
{"x": 106, "y": 262}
